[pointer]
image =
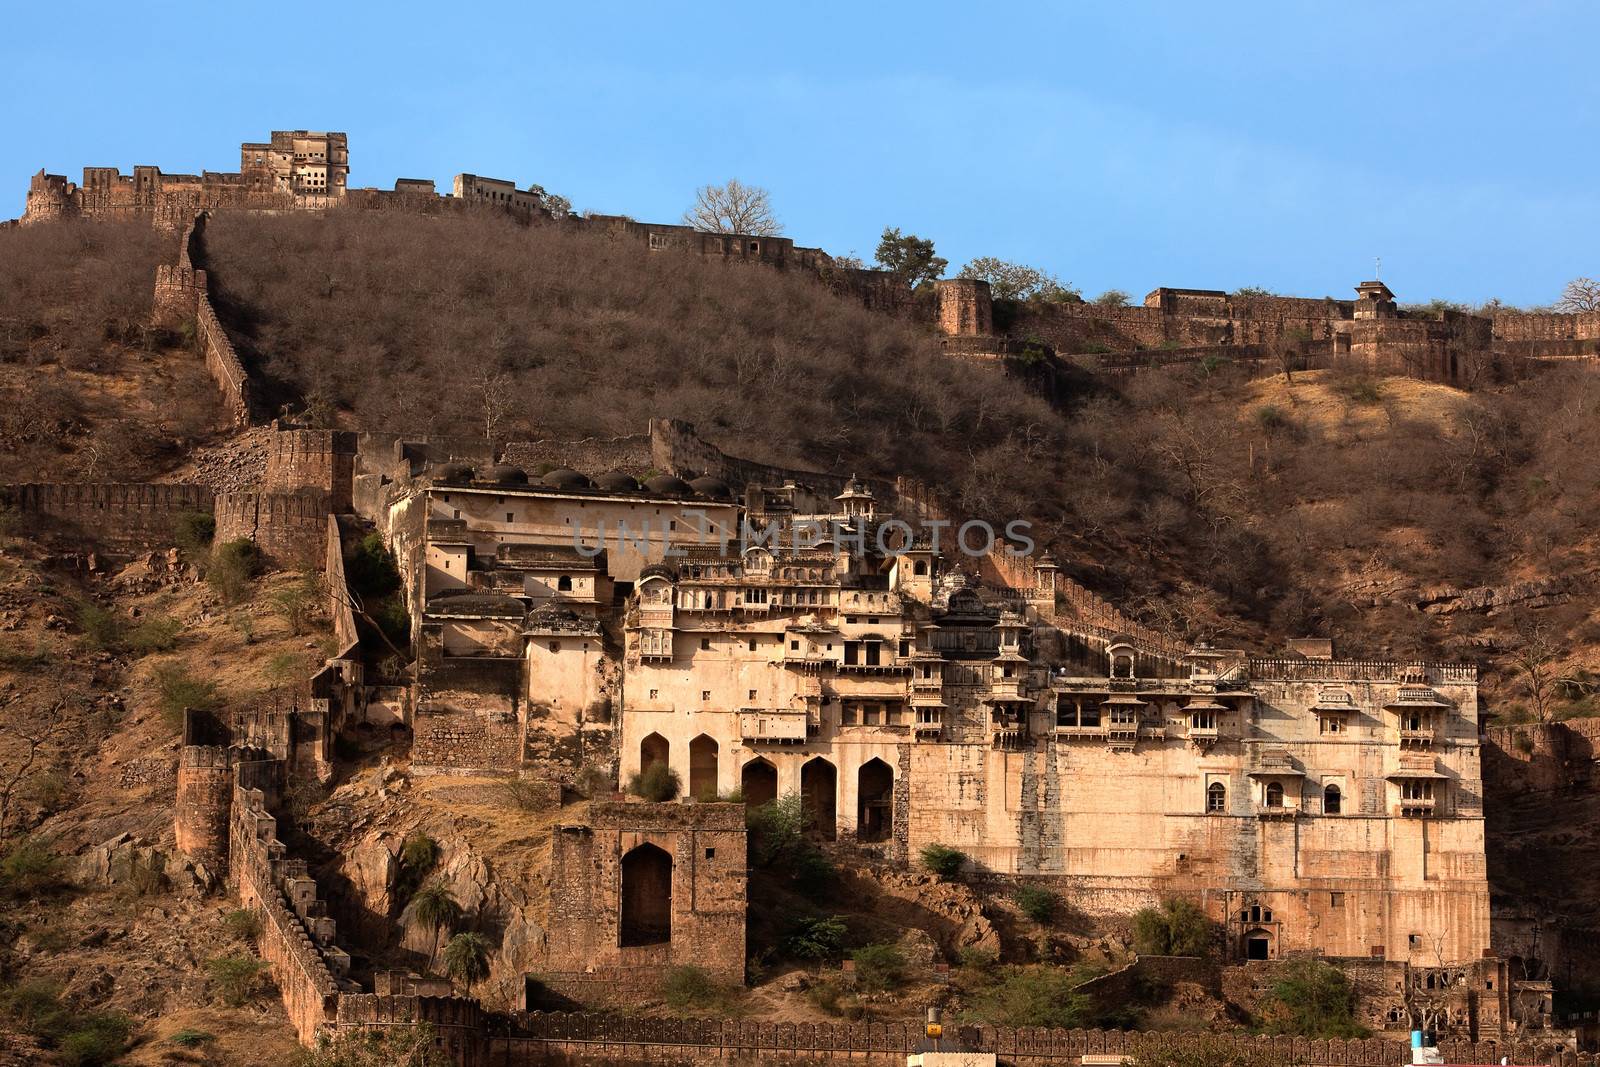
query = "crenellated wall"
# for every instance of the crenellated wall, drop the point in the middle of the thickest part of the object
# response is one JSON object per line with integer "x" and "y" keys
{"x": 563, "y": 1038}
{"x": 111, "y": 514}
{"x": 289, "y": 528}
{"x": 300, "y": 459}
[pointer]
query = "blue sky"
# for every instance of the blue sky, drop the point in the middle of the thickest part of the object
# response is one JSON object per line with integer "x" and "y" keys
{"x": 1118, "y": 145}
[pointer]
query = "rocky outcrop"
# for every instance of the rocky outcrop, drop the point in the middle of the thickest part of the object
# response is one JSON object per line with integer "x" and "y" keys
{"x": 1539, "y": 593}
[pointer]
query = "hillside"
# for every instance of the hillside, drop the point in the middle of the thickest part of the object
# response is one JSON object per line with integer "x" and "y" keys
{"x": 88, "y": 391}
{"x": 1204, "y": 503}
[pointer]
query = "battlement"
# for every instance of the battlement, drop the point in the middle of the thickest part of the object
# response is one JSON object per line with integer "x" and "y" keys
{"x": 113, "y": 514}
{"x": 289, "y": 528}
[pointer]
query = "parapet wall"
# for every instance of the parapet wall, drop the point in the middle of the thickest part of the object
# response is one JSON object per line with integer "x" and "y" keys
{"x": 299, "y": 459}
{"x": 258, "y": 865}
{"x": 586, "y": 1038}
{"x": 1542, "y": 326}
{"x": 111, "y": 514}
{"x": 289, "y": 528}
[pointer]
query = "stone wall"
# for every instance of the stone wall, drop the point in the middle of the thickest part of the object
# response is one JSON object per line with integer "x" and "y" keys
{"x": 299, "y": 459}
{"x": 1546, "y": 326}
{"x": 458, "y": 1023}
{"x": 706, "y": 843}
{"x": 259, "y": 865}
{"x": 340, "y": 601}
{"x": 628, "y": 454}
{"x": 582, "y": 1038}
{"x": 965, "y": 307}
{"x": 205, "y": 793}
{"x": 289, "y": 528}
{"x": 110, "y": 514}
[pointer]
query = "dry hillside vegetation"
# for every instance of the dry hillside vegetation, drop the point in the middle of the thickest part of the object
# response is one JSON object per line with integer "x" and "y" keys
{"x": 88, "y": 391}
{"x": 1204, "y": 503}
{"x": 473, "y": 326}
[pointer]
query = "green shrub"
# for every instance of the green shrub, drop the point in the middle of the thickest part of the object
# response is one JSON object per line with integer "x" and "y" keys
{"x": 689, "y": 987}
{"x": 879, "y": 967}
{"x": 178, "y": 690}
{"x": 1037, "y": 996}
{"x": 1313, "y": 999}
{"x": 593, "y": 781}
{"x": 294, "y": 603}
{"x": 819, "y": 938}
{"x": 943, "y": 860}
{"x": 81, "y": 1039}
{"x": 233, "y": 564}
{"x": 191, "y": 1038}
{"x": 242, "y": 924}
{"x": 12, "y": 657}
{"x": 1272, "y": 418}
{"x": 1176, "y": 928}
{"x": 370, "y": 569}
{"x": 236, "y": 976}
{"x": 192, "y": 532}
{"x": 100, "y": 1038}
{"x": 283, "y": 667}
{"x": 1037, "y": 903}
{"x": 657, "y": 782}
{"x": 102, "y": 627}
{"x": 154, "y": 633}
{"x": 29, "y": 868}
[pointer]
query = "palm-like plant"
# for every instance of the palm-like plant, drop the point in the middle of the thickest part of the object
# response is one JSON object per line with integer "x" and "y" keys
{"x": 434, "y": 907}
{"x": 466, "y": 959}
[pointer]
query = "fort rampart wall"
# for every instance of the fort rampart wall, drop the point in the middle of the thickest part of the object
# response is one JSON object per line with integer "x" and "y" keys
{"x": 558, "y": 1038}
{"x": 111, "y": 514}
{"x": 289, "y": 528}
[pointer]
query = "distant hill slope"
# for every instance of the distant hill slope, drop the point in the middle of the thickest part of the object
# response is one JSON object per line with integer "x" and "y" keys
{"x": 404, "y": 323}
{"x": 87, "y": 391}
{"x": 1403, "y": 518}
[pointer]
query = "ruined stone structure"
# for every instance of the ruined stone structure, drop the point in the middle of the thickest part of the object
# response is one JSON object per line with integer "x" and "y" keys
{"x": 911, "y": 694}
{"x": 637, "y": 888}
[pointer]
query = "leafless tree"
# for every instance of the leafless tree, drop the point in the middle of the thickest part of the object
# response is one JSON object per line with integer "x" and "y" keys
{"x": 733, "y": 208}
{"x": 1534, "y": 655}
{"x": 495, "y": 392}
{"x": 1581, "y": 294}
{"x": 27, "y": 736}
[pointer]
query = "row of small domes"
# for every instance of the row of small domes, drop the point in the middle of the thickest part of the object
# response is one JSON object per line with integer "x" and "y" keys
{"x": 566, "y": 478}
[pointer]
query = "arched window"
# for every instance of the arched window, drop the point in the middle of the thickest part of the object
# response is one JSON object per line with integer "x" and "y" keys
{"x": 1216, "y": 797}
{"x": 1274, "y": 794}
{"x": 564, "y": 583}
{"x": 919, "y": 568}
{"x": 1331, "y": 799}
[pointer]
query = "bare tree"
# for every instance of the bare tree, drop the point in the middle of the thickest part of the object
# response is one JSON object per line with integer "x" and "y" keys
{"x": 496, "y": 393}
{"x": 733, "y": 208}
{"x": 27, "y": 735}
{"x": 1535, "y": 655}
{"x": 1581, "y": 294}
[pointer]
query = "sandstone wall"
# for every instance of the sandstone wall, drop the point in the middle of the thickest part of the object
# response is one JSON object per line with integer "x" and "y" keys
{"x": 258, "y": 860}
{"x": 110, "y": 514}
{"x": 299, "y": 459}
{"x": 707, "y": 845}
{"x": 201, "y": 815}
{"x": 1545, "y": 326}
{"x": 581, "y": 1038}
{"x": 289, "y": 528}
